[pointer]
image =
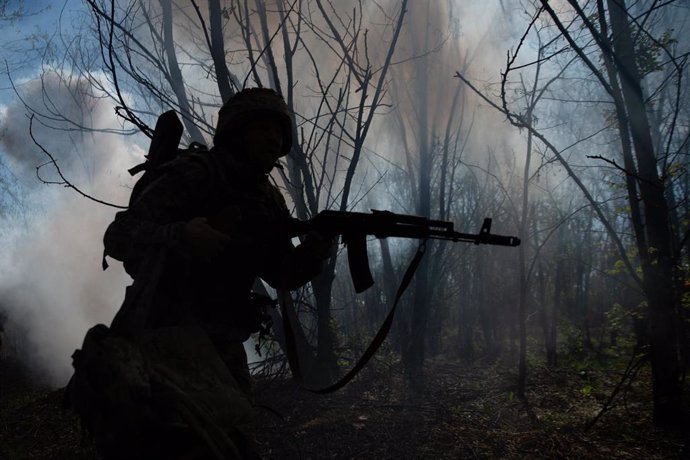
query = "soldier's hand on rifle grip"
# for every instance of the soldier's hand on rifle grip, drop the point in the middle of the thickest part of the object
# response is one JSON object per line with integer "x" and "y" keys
{"x": 317, "y": 245}
{"x": 203, "y": 241}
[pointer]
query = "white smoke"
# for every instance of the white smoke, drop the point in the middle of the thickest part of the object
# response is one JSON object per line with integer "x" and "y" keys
{"x": 51, "y": 282}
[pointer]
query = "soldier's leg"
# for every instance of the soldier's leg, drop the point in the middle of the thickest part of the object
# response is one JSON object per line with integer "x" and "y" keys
{"x": 235, "y": 358}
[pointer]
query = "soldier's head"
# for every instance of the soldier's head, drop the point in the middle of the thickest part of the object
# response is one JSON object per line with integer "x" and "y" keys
{"x": 258, "y": 120}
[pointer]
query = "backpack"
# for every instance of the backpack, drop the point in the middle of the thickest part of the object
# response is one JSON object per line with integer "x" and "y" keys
{"x": 163, "y": 150}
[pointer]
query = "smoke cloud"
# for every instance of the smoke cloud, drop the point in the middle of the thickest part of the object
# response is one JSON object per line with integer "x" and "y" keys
{"x": 52, "y": 287}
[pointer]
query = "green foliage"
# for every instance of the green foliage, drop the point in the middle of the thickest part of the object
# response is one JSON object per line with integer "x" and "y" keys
{"x": 586, "y": 390}
{"x": 675, "y": 170}
{"x": 620, "y": 321}
{"x": 685, "y": 301}
{"x": 649, "y": 50}
{"x": 571, "y": 341}
{"x": 618, "y": 267}
{"x": 617, "y": 317}
{"x": 603, "y": 356}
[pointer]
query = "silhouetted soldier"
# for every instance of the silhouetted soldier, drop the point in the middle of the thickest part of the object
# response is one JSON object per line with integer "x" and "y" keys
{"x": 216, "y": 219}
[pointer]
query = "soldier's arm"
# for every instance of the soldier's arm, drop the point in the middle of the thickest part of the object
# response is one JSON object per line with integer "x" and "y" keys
{"x": 295, "y": 266}
{"x": 286, "y": 266}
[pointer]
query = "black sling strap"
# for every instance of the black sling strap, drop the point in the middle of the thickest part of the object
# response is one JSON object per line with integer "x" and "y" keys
{"x": 291, "y": 348}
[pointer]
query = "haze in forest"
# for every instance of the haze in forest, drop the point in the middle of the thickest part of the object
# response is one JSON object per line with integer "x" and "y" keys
{"x": 52, "y": 284}
{"x": 434, "y": 147}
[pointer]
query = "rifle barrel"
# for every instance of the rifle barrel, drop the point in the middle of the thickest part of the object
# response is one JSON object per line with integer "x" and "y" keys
{"x": 482, "y": 238}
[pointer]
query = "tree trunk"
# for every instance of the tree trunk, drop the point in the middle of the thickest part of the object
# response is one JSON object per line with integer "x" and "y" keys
{"x": 414, "y": 354}
{"x": 390, "y": 287}
{"x": 175, "y": 74}
{"x": 522, "y": 268}
{"x": 217, "y": 48}
{"x": 326, "y": 360}
{"x": 657, "y": 260}
{"x": 305, "y": 355}
{"x": 551, "y": 338}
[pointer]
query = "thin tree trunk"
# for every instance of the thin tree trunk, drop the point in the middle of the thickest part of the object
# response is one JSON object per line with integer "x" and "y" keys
{"x": 300, "y": 181}
{"x": 223, "y": 76}
{"x": 551, "y": 339}
{"x": 176, "y": 79}
{"x": 415, "y": 349}
{"x": 522, "y": 267}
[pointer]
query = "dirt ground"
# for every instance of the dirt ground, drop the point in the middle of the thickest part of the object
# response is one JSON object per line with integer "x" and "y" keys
{"x": 464, "y": 412}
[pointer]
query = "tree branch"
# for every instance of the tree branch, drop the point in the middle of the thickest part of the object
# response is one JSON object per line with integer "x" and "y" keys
{"x": 518, "y": 122}
{"x": 64, "y": 182}
{"x": 620, "y": 168}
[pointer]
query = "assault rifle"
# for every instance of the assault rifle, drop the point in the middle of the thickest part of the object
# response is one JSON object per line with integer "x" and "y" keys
{"x": 355, "y": 226}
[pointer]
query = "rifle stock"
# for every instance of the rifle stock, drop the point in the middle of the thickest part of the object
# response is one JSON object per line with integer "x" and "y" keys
{"x": 355, "y": 226}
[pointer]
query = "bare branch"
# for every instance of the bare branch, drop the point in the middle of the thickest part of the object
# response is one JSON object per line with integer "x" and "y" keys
{"x": 620, "y": 168}
{"x": 519, "y": 122}
{"x": 64, "y": 182}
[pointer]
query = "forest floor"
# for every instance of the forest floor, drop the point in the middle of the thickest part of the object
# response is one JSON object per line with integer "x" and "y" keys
{"x": 465, "y": 412}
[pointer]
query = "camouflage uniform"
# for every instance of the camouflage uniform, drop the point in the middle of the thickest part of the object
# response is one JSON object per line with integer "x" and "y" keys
{"x": 218, "y": 186}
{"x": 222, "y": 187}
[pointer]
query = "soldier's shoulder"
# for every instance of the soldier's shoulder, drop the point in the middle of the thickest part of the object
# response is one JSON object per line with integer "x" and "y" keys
{"x": 186, "y": 159}
{"x": 194, "y": 167}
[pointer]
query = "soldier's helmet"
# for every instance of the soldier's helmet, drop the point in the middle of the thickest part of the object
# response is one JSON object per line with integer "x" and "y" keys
{"x": 249, "y": 105}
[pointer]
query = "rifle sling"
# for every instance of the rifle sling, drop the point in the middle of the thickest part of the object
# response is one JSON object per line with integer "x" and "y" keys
{"x": 291, "y": 348}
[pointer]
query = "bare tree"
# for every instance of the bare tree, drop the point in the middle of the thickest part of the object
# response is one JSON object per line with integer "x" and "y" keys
{"x": 433, "y": 130}
{"x": 162, "y": 55}
{"x": 622, "y": 82}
